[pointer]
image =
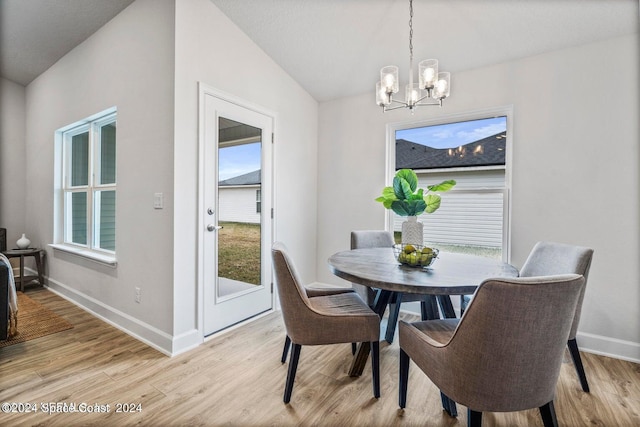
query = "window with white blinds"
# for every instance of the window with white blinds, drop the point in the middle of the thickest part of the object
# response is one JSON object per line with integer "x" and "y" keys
{"x": 473, "y": 216}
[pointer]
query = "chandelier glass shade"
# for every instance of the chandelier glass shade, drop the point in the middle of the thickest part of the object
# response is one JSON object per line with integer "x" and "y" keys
{"x": 432, "y": 86}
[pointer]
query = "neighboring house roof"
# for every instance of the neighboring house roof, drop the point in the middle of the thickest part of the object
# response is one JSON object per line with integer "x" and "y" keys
{"x": 484, "y": 152}
{"x": 251, "y": 178}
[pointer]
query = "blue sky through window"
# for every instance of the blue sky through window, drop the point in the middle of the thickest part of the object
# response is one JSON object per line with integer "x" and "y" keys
{"x": 452, "y": 135}
{"x": 238, "y": 159}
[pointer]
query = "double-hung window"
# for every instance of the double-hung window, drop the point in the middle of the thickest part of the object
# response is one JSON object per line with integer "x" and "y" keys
{"x": 89, "y": 186}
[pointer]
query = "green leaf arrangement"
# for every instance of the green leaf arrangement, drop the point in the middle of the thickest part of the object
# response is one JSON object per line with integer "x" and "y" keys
{"x": 406, "y": 199}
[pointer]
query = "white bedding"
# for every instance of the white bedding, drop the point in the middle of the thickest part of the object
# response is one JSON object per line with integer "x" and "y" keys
{"x": 13, "y": 299}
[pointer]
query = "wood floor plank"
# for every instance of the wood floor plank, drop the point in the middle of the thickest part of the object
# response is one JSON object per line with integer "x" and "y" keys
{"x": 237, "y": 379}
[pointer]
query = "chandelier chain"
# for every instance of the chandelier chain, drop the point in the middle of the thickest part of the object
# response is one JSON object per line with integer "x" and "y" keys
{"x": 411, "y": 30}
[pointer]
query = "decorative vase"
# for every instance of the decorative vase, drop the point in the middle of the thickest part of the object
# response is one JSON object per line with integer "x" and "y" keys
{"x": 23, "y": 242}
{"x": 412, "y": 231}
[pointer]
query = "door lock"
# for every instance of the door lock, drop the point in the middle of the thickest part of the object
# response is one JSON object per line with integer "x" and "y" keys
{"x": 212, "y": 227}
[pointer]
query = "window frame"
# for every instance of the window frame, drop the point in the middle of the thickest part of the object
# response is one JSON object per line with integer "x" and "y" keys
{"x": 506, "y": 111}
{"x": 63, "y": 239}
{"x": 259, "y": 200}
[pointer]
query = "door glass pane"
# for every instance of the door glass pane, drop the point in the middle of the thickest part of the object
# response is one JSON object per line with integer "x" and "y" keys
{"x": 77, "y": 228}
{"x": 105, "y": 220}
{"x": 239, "y": 177}
{"x": 80, "y": 159}
{"x": 107, "y": 172}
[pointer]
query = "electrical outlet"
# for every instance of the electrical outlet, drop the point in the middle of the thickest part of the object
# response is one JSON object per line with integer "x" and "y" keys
{"x": 138, "y": 296}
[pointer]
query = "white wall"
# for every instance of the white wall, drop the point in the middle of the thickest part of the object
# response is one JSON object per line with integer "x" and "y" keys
{"x": 212, "y": 50}
{"x": 575, "y": 170}
{"x": 128, "y": 63}
{"x": 13, "y": 175}
{"x": 148, "y": 62}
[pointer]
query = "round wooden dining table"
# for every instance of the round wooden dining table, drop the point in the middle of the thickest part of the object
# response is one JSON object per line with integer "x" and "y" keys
{"x": 377, "y": 268}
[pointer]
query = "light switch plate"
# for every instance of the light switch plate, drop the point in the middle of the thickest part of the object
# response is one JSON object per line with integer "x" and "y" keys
{"x": 158, "y": 201}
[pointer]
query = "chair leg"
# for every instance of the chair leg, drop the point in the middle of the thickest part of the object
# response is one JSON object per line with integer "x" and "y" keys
{"x": 449, "y": 405}
{"x": 375, "y": 367}
{"x": 404, "y": 379}
{"x": 285, "y": 351}
{"x": 577, "y": 362}
{"x": 291, "y": 375}
{"x": 354, "y": 347}
{"x": 548, "y": 414}
{"x": 394, "y": 312}
{"x": 429, "y": 308}
{"x": 474, "y": 418}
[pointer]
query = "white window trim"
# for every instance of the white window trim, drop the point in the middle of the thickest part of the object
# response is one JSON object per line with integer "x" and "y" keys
{"x": 441, "y": 120}
{"x": 104, "y": 259}
{"x": 98, "y": 255}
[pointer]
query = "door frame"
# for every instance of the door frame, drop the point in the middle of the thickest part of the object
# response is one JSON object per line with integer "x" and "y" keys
{"x": 203, "y": 91}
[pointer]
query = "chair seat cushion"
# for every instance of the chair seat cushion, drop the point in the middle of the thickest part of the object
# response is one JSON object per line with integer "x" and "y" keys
{"x": 320, "y": 292}
{"x": 438, "y": 330}
{"x": 342, "y": 318}
{"x": 346, "y": 303}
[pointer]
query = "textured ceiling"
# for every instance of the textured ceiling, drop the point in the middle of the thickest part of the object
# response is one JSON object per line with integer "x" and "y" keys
{"x": 35, "y": 34}
{"x": 335, "y": 48}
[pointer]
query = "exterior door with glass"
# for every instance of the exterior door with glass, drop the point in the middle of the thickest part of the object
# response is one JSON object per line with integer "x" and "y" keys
{"x": 236, "y": 226}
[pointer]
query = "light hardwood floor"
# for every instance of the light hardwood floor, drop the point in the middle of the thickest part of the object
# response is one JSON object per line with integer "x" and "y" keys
{"x": 236, "y": 379}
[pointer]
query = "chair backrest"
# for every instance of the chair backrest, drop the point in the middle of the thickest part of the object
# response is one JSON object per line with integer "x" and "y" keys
{"x": 363, "y": 239}
{"x": 549, "y": 258}
{"x": 371, "y": 239}
{"x": 291, "y": 293}
{"x": 508, "y": 347}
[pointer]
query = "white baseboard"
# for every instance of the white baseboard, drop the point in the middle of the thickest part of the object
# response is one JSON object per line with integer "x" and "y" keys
{"x": 611, "y": 347}
{"x": 153, "y": 337}
{"x": 138, "y": 329}
{"x": 186, "y": 341}
{"x": 171, "y": 346}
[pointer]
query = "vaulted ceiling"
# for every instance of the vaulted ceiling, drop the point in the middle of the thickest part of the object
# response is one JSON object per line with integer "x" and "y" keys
{"x": 335, "y": 48}
{"x": 35, "y": 34}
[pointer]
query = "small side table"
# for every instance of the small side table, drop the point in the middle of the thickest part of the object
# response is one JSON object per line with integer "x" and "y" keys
{"x": 22, "y": 253}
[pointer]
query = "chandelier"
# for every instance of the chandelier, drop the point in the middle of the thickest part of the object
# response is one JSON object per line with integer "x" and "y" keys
{"x": 431, "y": 89}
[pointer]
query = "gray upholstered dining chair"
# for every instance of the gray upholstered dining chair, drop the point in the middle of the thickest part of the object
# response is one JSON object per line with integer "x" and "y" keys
{"x": 502, "y": 360}
{"x": 312, "y": 293}
{"x": 330, "y": 319}
{"x": 550, "y": 258}
{"x": 362, "y": 239}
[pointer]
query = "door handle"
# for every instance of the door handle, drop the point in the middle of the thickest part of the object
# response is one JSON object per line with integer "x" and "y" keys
{"x": 212, "y": 227}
